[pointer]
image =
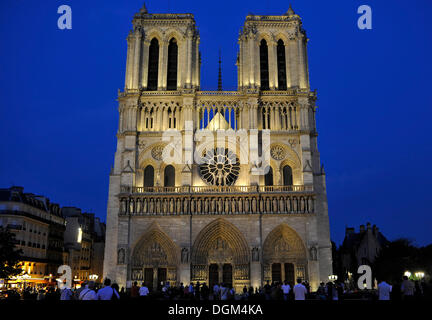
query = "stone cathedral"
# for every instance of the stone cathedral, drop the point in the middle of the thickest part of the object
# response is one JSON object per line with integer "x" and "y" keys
{"x": 214, "y": 220}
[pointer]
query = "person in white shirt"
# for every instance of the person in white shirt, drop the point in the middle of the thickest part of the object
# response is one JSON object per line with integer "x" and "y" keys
{"x": 384, "y": 290}
{"x": 88, "y": 293}
{"x": 286, "y": 289}
{"x": 299, "y": 291}
{"x": 107, "y": 291}
{"x": 144, "y": 291}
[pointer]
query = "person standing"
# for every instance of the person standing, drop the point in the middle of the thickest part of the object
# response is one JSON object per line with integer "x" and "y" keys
{"x": 66, "y": 294}
{"x": 205, "y": 291}
{"x": 321, "y": 292}
{"x": 134, "y": 290}
{"x": 300, "y": 291}
{"x": 407, "y": 289}
{"x": 286, "y": 290}
{"x": 384, "y": 290}
{"x": 143, "y": 291}
{"x": 197, "y": 291}
{"x": 216, "y": 291}
{"x": 267, "y": 290}
{"x": 224, "y": 292}
{"x": 191, "y": 291}
{"x": 107, "y": 292}
{"x": 88, "y": 293}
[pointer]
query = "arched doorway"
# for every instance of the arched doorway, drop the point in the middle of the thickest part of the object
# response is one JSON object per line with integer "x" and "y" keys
{"x": 220, "y": 254}
{"x": 284, "y": 255}
{"x": 155, "y": 259}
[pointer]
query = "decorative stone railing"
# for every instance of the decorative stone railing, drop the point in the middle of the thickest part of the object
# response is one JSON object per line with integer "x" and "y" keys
{"x": 217, "y": 200}
{"x": 215, "y": 189}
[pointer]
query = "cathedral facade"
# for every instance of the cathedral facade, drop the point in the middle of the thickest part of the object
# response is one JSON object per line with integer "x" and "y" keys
{"x": 242, "y": 211}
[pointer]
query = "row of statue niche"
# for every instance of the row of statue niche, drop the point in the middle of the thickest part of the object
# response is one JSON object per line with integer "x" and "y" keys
{"x": 179, "y": 205}
{"x": 185, "y": 255}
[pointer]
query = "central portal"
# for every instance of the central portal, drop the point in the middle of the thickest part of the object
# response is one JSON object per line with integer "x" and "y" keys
{"x": 220, "y": 255}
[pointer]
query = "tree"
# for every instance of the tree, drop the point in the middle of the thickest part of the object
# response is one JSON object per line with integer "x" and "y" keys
{"x": 10, "y": 257}
{"x": 396, "y": 258}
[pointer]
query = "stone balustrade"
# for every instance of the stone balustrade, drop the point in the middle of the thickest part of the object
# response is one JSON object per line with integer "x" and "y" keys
{"x": 217, "y": 200}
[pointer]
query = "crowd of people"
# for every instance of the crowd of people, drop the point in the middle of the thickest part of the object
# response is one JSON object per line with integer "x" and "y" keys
{"x": 283, "y": 291}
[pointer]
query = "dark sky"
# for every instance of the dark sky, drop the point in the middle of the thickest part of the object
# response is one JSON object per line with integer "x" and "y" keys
{"x": 58, "y": 88}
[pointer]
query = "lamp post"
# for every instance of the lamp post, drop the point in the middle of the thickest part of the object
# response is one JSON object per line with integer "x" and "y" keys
{"x": 407, "y": 274}
{"x": 419, "y": 275}
{"x": 333, "y": 277}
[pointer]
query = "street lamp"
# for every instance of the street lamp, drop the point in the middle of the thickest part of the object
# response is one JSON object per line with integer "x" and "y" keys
{"x": 93, "y": 277}
{"x": 333, "y": 277}
{"x": 419, "y": 275}
{"x": 407, "y": 274}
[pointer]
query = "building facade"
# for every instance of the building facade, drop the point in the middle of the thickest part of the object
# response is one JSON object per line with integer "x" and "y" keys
{"x": 361, "y": 248}
{"x": 84, "y": 242}
{"x": 39, "y": 228}
{"x": 207, "y": 207}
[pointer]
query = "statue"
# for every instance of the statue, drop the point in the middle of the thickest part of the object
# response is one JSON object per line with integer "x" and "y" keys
{"x": 255, "y": 254}
{"x": 185, "y": 255}
{"x": 313, "y": 253}
{"x": 121, "y": 256}
{"x": 233, "y": 206}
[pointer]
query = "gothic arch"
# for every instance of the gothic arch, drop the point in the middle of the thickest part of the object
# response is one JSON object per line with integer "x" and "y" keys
{"x": 154, "y": 33}
{"x": 281, "y": 36}
{"x": 145, "y": 157}
{"x": 173, "y": 33}
{"x": 155, "y": 249}
{"x": 220, "y": 229}
{"x": 265, "y": 36}
{"x": 283, "y": 244}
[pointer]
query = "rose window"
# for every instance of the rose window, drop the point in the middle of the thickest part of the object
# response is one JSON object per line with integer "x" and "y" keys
{"x": 220, "y": 167}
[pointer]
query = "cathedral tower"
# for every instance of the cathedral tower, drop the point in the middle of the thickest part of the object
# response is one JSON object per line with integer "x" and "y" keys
{"x": 188, "y": 204}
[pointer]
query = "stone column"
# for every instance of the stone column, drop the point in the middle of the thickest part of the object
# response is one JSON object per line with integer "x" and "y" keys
{"x": 196, "y": 64}
{"x": 256, "y": 65}
{"x": 244, "y": 61}
{"x": 144, "y": 63}
{"x": 273, "y": 69}
{"x": 252, "y": 79}
{"x": 129, "y": 62}
{"x": 301, "y": 62}
{"x": 293, "y": 62}
{"x": 277, "y": 119}
{"x": 288, "y": 64}
{"x": 188, "y": 61}
{"x": 162, "y": 68}
{"x": 137, "y": 56}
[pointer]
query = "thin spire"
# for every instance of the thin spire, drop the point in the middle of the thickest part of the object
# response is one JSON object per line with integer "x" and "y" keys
{"x": 220, "y": 73}
{"x": 144, "y": 8}
{"x": 290, "y": 11}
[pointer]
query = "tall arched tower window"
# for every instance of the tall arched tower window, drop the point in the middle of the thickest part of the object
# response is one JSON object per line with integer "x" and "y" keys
{"x": 169, "y": 176}
{"x": 172, "y": 65}
{"x": 268, "y": 178}
{"x": 264, "y": 66}
{"x": 153, "y": 65}
{"x": 148, "y": 176}
{"x": 287, "y": 176}
{"x": 281, "y": 65}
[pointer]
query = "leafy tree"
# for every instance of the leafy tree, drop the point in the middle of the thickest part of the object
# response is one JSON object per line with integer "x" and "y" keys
{"x": 10, "y": 257}
{"x": 396, "y": 258}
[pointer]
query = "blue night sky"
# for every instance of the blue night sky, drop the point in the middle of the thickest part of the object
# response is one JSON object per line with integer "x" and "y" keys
{"x": 58, "y": 111}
